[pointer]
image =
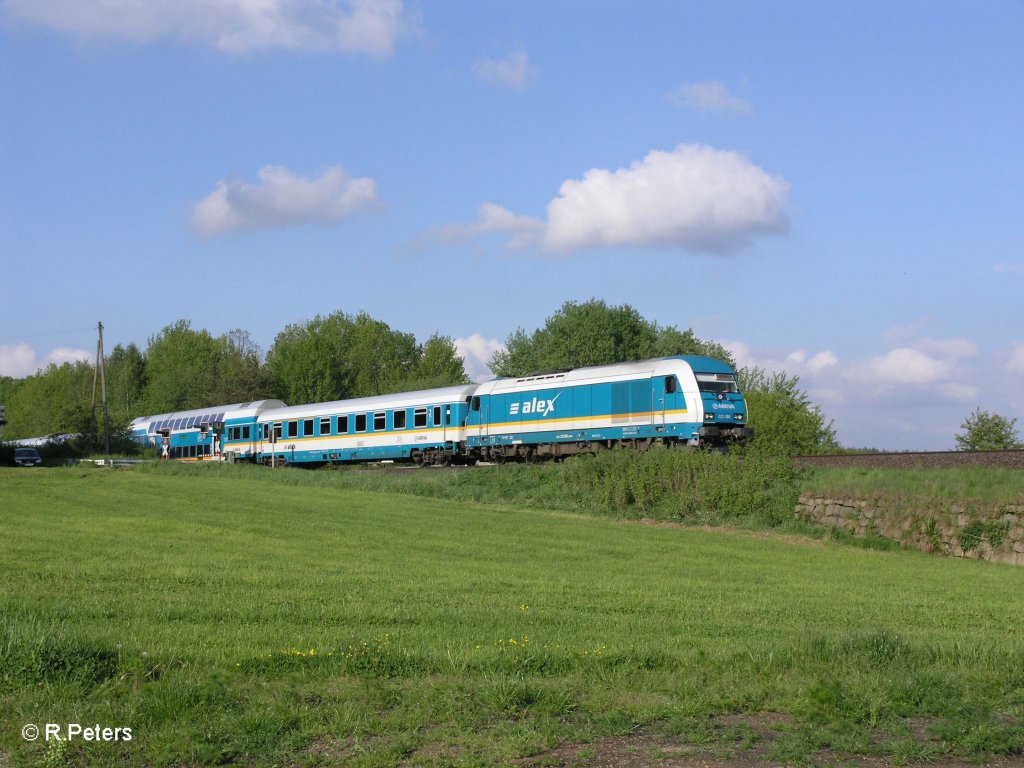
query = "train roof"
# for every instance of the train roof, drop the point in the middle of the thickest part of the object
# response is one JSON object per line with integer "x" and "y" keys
{"x": 654, "y": 366}
{"x": 224, "y": 412}
{"x": 423, "y": 397}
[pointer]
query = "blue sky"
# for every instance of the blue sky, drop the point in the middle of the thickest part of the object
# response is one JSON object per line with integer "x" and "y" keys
{"x": 834, "y": 190}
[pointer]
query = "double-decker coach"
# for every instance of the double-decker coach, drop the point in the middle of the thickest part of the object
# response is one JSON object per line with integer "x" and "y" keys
{"x": 426, "y": 427}
{"x": 685, "y": 400}
{"x": 204, "y": 433}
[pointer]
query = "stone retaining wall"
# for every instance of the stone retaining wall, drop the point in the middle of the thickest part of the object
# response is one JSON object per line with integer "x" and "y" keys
{"x": 993, "y": 534}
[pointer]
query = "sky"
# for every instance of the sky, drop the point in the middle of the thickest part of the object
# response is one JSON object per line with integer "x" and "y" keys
{"x": 833, "y": 190}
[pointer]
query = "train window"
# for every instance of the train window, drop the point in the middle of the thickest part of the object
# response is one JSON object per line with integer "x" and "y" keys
{"x": 232, "y": 433}
{"x": 717, "y": 382}
{"x": 277, "y": 430}
{"x": 245, "y": 432}
{"x": 437, "y": 415}
{"x": 360, "y": 422}
{"x": 380, "y": 421}
{"x": 476, "y": 403}
{"x": 343, "y": 425}
{"x": 325, "y": 426}
{"x": 307, "y": 428}
{"x": 419, "y": 418}
{"x": 670, "y": 385}
{"x": 293, "y": 429}
{"x": 398, "y": 419}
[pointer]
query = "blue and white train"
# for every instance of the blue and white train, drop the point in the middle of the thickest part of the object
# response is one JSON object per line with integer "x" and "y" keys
{"x": 685, "y": 401}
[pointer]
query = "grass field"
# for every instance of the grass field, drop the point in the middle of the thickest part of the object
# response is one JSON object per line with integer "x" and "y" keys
{"x": 229, "y": 615}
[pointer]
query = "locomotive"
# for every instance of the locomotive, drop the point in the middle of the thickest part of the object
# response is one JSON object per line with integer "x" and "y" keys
{"x": 688, "y": 401}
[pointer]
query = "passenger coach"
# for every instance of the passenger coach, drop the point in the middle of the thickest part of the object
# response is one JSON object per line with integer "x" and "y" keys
{"x": 223, "y": 431}
{"x": 425, "y": 427}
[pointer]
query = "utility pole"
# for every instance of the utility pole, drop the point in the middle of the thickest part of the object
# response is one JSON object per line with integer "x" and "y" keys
{"x": 99, "y": 370}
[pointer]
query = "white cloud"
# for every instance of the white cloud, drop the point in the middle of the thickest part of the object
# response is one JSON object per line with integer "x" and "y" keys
{"x": 496, "y": 219}
{"x": 905, "y": 366}
{"x": 797, "y": 363}
{"x": 20, "y": 360}
{"x": 815, "y": 364}
{"x": 514, "y": 71}
{"x": 956, "y": 391}
{"x": 282, "y": 199}
{"x": 1009, "y": 269}
{"x": 695, "y": 197}
{"x": 476, "y": 352}
{"x": 709, "y": 96}
{"x": 902, "y": 334}
{"x": 927, "y": 385}
{"x": 368, "y": 27}
{"x": 1016, "y": 360}
{"x": 951, "y": 348}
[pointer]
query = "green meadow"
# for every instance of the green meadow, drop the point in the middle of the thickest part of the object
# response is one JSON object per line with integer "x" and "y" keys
{"x": 234, "y": 615}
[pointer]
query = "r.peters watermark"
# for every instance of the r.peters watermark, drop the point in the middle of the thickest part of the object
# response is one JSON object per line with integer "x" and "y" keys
{"x": 74, "y": 732}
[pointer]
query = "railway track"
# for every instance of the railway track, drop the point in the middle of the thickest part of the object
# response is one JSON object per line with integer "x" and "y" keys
{"x": 909, "y": 459}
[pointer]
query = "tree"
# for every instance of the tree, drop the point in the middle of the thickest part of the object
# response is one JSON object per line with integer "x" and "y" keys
{"x": 671, "y": 341}
{"x": 125, "y": 371}
{"x": 379, "y": 358}
{"x": 307, "y": 362}
{"x": 439, "y": 365}
{"x": 984, "y": 431}
{"x": 51, "y": 401}
{"x": 785, "y": 421}
{"x": 593, "y": 333}
{"x": 182, "y": 367}
{"x": 242, "y": 377}
{"x": 340, "y": 356}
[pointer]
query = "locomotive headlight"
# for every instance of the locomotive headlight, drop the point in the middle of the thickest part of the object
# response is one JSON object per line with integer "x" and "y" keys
{"x": 738, "y": 417}
{"x": 709, "y": 417}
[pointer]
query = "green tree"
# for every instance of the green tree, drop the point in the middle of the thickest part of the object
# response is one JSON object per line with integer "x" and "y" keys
{"x": 671, "y": 341}
{"x": 341, "y": 356}
{"x": 51, "y": 401}
{"x": 8, "y": 386}
{"x": 380, "y": 359}
{"x": 594, "y": 333}
{"x": 784, "y": 419}
{"x": 439, "y": 365}
{"x": 307, "y": 362}
{"x": 125, "y": 372}
{"x": 182, "y": 367}
{"x": 984, "y": 431}
{"x": 242, "y": 376}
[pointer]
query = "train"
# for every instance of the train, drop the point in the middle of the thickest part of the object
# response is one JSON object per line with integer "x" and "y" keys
{"x": 685, "y": 401}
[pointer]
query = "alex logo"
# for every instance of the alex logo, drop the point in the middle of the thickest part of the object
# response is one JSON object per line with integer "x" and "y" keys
{"x": 536, "y": 405}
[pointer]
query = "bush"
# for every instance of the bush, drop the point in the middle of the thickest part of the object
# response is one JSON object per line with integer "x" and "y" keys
{"x": 682, "y": 485}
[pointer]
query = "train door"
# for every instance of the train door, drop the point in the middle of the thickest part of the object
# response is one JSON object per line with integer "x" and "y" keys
{"x": 438, "y": 421}
{"x": 475, "y": 417}
{"x": 664, "y": 387}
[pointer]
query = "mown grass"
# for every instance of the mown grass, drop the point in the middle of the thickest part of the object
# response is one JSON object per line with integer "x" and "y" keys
{"x": 231, "y": 615}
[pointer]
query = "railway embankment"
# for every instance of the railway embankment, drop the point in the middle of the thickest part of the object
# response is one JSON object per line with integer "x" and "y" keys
{"x": 994, "y": 532}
